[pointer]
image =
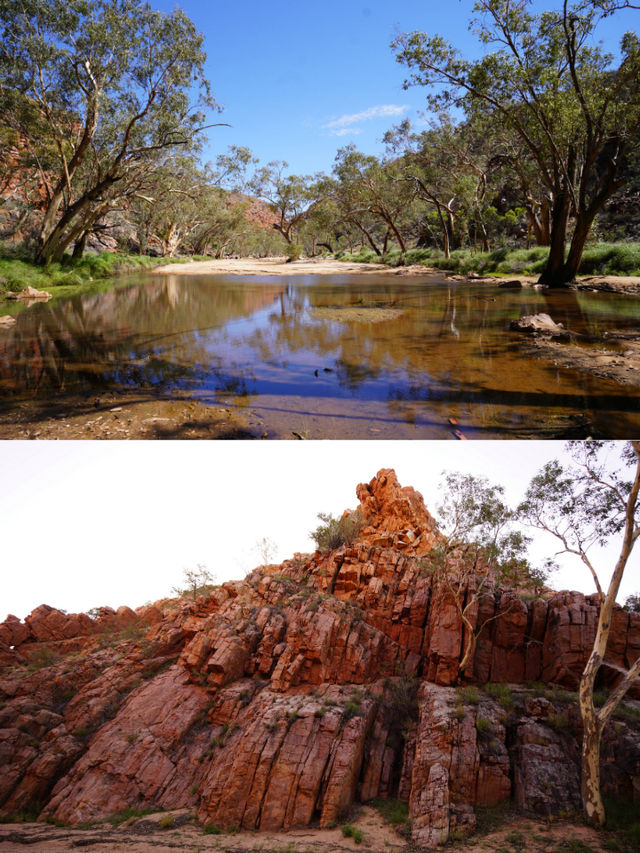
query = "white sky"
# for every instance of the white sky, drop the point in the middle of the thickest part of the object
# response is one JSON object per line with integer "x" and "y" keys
{"x": 86, "y": 524}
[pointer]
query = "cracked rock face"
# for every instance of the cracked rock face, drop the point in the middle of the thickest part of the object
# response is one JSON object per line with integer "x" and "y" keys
{"x": 278, "y": 701}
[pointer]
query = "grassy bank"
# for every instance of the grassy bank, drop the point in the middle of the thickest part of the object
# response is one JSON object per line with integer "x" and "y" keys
{"x": 64, "y": 278}
{"x": 598, "y": 259}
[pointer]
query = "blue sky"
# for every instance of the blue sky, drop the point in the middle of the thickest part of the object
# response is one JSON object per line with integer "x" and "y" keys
{"x": 298, "y": 80}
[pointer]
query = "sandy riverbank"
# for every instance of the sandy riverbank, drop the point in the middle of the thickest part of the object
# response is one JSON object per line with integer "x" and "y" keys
{"x": 328, "y": 266}
{"x": 272, "y": 266}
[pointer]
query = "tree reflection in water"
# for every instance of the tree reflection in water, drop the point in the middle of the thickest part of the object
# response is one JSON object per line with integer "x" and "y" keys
{"x": 415, "y": 351}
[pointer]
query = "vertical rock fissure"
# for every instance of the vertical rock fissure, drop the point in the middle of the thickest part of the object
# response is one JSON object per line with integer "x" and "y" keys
{"x": 265, "y": 789}
{"x": 336, "y": 572}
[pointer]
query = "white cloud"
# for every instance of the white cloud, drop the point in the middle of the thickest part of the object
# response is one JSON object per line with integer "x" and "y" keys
{"x": 345, "y": 131}
{"x": 338, "y": 125}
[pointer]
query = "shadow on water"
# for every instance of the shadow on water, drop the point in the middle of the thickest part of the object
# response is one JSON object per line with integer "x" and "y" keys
{"x": 349, "y": 356}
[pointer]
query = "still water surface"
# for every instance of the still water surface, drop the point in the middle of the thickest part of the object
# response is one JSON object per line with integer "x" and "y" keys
{"x": 371, "y": 356}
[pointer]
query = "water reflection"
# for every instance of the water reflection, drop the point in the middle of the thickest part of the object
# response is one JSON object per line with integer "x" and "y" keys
{"x": 339, "y": 356}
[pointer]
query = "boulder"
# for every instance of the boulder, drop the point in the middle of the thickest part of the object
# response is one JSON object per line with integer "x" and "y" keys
{"x": 540, "y": 324}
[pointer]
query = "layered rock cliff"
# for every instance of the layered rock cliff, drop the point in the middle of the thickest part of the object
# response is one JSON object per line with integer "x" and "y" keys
{"x": 280, "y": 700}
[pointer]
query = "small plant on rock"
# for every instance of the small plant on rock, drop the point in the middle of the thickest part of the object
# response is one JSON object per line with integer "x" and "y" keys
{"x": 334, "y": 532}
{"x": 197, "y": 581}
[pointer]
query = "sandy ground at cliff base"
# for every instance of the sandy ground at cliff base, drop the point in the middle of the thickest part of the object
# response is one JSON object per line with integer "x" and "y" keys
{"x": 145, "y": 835}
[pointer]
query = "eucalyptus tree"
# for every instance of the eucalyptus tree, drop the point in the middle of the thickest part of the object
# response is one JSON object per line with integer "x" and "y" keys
{"x": 369, "y": 188}
{"x": 575, "y": 107}
{"x": 480, "y": 548}
{"x": 113, "y": 83}
{"x": 593, "y": 501}
{"x": 448, "y": 166}
{"x": 289, "y": 196}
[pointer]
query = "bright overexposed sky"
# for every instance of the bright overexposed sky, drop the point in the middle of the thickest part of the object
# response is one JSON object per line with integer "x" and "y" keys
{"x": 298, "y": 80}
{"x": 86, "y": 524}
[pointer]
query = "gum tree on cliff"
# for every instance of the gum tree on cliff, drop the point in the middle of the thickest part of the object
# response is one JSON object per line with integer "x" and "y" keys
{"x": 592, "y": 502}
{"x": 112, "y": 82}
{"x": 479, "y": 549}
{"x": 545, "y": 79}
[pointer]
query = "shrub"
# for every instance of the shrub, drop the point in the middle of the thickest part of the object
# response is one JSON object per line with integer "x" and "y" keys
{"x": 43, "y": 657}
{"x": 500, "y": 692}
{"x": 293, "y": 251}
{"x": 352, "y": 709}
{"x": 483, "y": 724}
{"x": 469, "y": 695}
{"x": 167, "y": 821}
{"x": 334, "y": 532}
{"x": 350, "y": 831}
{"x": 210, "y": 829}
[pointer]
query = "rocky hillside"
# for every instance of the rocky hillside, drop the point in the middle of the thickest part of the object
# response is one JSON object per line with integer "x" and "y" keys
{"x": 278, "y": 701}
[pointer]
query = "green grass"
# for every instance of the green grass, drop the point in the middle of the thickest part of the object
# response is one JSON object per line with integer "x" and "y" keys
{"x": 598, "y": 259}
{"x": 392, "y": 811}
{"x": 501, "y": 692}
{"x": 623, "y": 821}
{"x": 16, "y": 273}
{"x": 126, "y": 814}
{"x": 483, "y": 724}
{"x": 469, "y": 695}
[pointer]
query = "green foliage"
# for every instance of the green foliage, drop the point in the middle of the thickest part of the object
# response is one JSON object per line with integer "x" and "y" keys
{"x": 335, "y": 532}
{"x": 484, "y": 725}
{"x": 197, "y": 582}
{"x": 350, "y": 831}
{"x": 293, "y": 251}
{"x": 392, "y": 811}
{"x": 501, "y": 692}
{"x": 611, "y": 259}
{"x": 28, "y": 814}
{"x": 624, "y": 821}
{"x": 597, "y": 259}
{"x": 43, "y": 657}
{"x": 113, "y": 85}
{"x": 632, "y": 603}
{"x": 459, "y": 713}
{"x": 363, "y": 256}
{"x": 353, "y": 708}
{"x": 491, "y": 818}
{"x": 468, "y": 695}
{"x": 210, "y": 829}
{"x": 127, "y": 814}
{"x": 18, "y": 273}
{"x": 546, "y": 81}
{"x": 557, "y": 722}
{"x": 167, "y": 821}
{"x": 629, "y": 713}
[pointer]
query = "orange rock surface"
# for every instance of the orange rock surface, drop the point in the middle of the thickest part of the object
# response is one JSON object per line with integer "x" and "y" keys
{"x": 277, "y": 701}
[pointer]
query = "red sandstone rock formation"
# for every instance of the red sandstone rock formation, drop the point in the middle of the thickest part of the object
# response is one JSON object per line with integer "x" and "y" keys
{"x": 277, "y": 701}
